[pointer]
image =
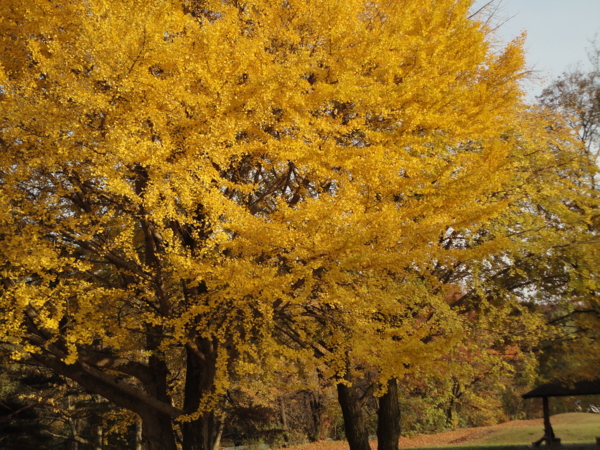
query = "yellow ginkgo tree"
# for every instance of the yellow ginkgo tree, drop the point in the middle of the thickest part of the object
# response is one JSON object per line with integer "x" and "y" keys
{"x": 179, "y": 178}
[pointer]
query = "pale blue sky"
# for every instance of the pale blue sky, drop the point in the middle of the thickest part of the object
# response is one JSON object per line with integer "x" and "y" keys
{"x": 558, "y": 32}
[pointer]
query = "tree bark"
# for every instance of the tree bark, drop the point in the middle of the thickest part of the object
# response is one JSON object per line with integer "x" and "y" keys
{"x": 450, "y": 414}
{"x": 138, "y": 435}
{"x": 284, "y": 422}
{"x": 157, "y": 427}
{"x": 220, "y": 428}
{"x": 388, "y": 418}
{"x": 354, "y": 417}
{"x": 316, "y": 415}
{"x": 157, "y": 431}
{"x": 203, "y": 433}
{"x": 98, "y": 441}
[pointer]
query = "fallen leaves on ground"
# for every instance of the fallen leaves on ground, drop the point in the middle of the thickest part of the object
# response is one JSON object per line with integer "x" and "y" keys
{"x": 427, "y": 440}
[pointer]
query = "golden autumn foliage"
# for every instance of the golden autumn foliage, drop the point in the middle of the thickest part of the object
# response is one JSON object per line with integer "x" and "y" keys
{"x": 184, "y": 185}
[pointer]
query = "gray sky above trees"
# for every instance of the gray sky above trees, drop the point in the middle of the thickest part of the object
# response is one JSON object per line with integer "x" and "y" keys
{"x": 558, "y": 32}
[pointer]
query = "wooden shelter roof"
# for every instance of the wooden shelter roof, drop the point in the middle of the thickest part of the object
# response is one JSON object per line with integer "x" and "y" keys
{"x": 563, "y": 389}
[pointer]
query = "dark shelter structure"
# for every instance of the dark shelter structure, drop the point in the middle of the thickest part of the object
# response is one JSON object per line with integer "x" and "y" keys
{"x": 559, "y": 389}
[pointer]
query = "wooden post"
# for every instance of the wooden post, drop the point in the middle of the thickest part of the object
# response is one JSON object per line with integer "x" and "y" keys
{"x": 548, "y": 431}
{"x": 548, "y": 436}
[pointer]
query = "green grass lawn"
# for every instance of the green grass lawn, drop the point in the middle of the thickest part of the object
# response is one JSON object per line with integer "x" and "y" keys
{"x": 586, "y": 446}
{"x": 572, "y": 428}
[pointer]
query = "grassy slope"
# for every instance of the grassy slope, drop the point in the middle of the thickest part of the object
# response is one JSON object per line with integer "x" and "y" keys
{"x": 570, "y": 427}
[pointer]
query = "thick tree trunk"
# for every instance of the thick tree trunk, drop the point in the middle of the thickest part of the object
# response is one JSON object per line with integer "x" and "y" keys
{"x": 354, "y": 417}
{"x": 388, "y": 418}
{"x": 157, "y": 431}
{"x": 157, "y": 427}
{"x": 202, "y": 434}
{"x": 205, "y": 432}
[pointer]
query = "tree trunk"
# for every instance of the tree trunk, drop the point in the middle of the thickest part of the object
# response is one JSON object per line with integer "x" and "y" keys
{"x": 157, "y": 431}
{"x": 388, "y": 418}
{"x": 98, "y": 439}
{"x": 450, "y": 414}
{"x": 354, "y": 418}
{"x": 74, "y": 423}
{"x": 205, "y": 432}
{"x": 284, "y": 421}
{"x": 221, "y": 427}
{"x": 316, "y": 415}
{"x": 202, "y": 434}
{"x": 157, "y": 427}
{"x": 138, "y": 435}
